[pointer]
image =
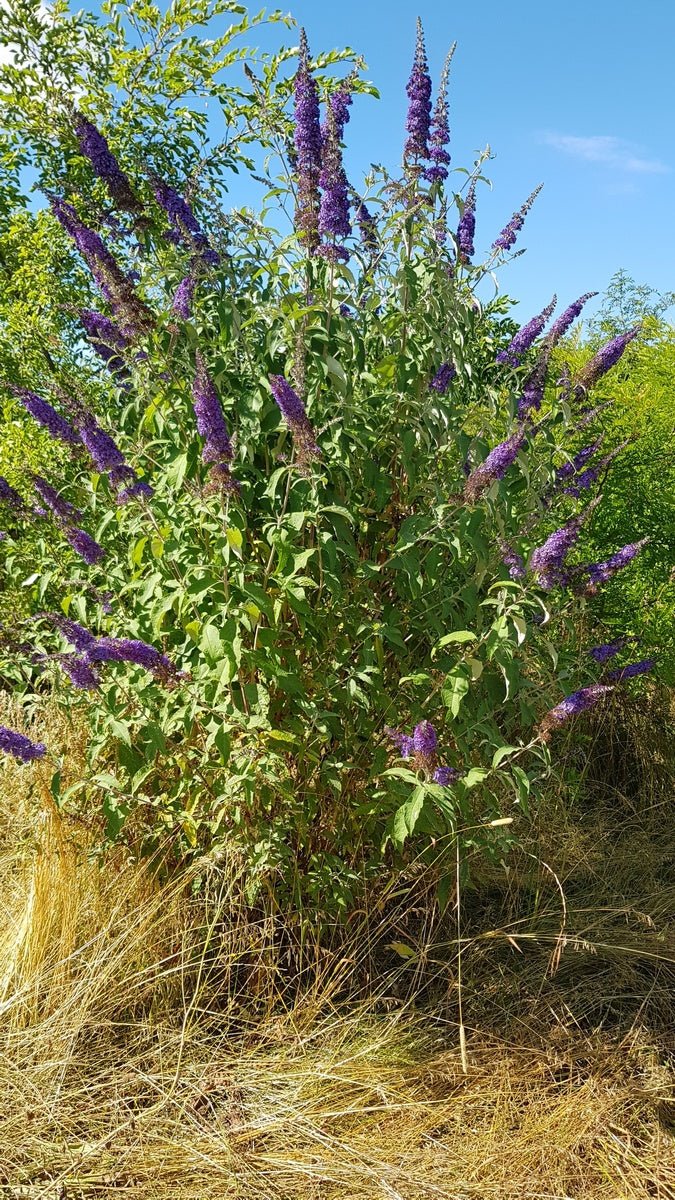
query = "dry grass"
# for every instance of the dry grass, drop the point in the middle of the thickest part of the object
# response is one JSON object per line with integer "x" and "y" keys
{"x": 149, "y": 1046}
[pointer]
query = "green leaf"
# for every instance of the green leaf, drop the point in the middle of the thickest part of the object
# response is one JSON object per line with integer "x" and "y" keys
{"x": 235, "y": 540}
{"x": 502, "y": 753}
{"x": 459, "y": 635}
{"x": 407, "y": 816}
{"x": 475, "y": 776}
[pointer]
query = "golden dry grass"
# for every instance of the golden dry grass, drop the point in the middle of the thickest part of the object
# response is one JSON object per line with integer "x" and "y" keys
{"x": 153, "y": 1042}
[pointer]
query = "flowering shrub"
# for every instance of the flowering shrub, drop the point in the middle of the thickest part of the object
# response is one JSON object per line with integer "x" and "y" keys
{"x": 310, "y": 503}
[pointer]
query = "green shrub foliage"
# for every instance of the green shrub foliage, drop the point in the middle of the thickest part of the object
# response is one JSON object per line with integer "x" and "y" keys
{"x": 308, "y": 565}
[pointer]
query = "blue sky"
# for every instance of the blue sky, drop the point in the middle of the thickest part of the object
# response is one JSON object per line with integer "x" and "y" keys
{"x": 578, "y": 96}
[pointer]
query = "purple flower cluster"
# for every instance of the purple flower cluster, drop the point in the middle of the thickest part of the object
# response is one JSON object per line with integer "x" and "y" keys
{"x": 602, "y": 571}
{"x": 185, "y": 227}
{"x": 47, "y": 416}
{"x": 84, "y": 545}
{"x": 81, "y": 673}
{"x": 495, "y": 466}
{"x": 607, "y": 650}
{"x": 548, "y": 560}
{"x": 334, "y": 221}
{"x": 568, "y": 469}
{"x": 95, "y": 147}
{"x": 308, "y": 148}
{"x": 10, "y": 497}
{"x": 533, "y": 389}
{"x": 422, "y": 747}
{"x": 20, "y": 746}
{"x": 576, "y": 703}
{"x": 508, "y": 235}
{"x": 63, "y": 510}
{"x": 293, "y": 412}
{"x": 183, "y": 298}
{"x": 367, "y": 226}
{"x": 561, "y": 325}
{"x": 604, "y": 360}
{"x": 217, "y": 449}
{"x": 418, "y": 90}
{"x": 633, "y": 669}
{"x": 525, "y": 336}
{"x": 443, "y": 378}
{"x": 134, "y": 316}
{"x": 338, "y": 105}
{"x": 513, "y": 561}
{"x": 467, "y": 227}
{"x": 94, "y": 650}
{"x": 107, "y": 340}
{"x": 108, "y": 458}
{"x": 585, "y": 479}
{"x": 439, "y": 136}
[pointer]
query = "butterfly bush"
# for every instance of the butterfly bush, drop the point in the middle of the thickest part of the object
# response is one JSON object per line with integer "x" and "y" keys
{"x": 343, "y": 614}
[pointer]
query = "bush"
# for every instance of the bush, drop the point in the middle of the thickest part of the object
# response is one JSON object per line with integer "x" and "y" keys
{"x": 305, "y": 634}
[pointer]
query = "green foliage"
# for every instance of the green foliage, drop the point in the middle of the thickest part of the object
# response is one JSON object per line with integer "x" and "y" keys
{"x": 328, "y": 597}
{"x": 639, "y": 490}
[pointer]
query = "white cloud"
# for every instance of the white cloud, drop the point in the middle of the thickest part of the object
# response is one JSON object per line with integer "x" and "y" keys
{"x": 610, "y": 152}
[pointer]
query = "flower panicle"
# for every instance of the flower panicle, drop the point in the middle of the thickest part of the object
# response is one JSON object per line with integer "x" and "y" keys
{"x": 466, "y": 229}
{"x": 95, "y": 147}
{"x": 308, "y": 145}
{"x": 418, "y": 90}
{"x": 520, "y": 344}
{"x": 439, "y": 134}
{"x": 507, "y": 238}
{"x": 293, "y": 411}
{"x": 495, "y": 465}
{"x": 185, "y": 228}
{"x": 571, "y": 706}
{"x": 19, "y": 746}
{"x": 606, "y": 357}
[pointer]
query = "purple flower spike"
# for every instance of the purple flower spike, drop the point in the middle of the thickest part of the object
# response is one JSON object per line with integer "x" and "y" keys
{"x": 134, "y": 316}
{"x": 183, "y": 298}
{"x": 439, "y": 136}
{"x": 367, "y": 226}
{"x": 404, "y": 741}
{"x": 308, "y": 148}
{"x": 81, "y": 674}
{"x": 45, "y": 415}
{"x": 185, "y": 227}
{"x": 10, "y": 497}
{"x": 217, "y": 449}
{"x": 508, "y": 235}
{"x": 425, "y": 740}
{"x": 467, "y": 227}
{"x": 85, "y": 546}
{"x": 63, "y": 510}
{"x": 77, "y": 635}
{"x": 445, "y": 775}
{"x": 559, "y": 328}
{"x": 604, "y": 360}
{"x": 418, "y": 89}
{"x": 334, "y": 221}
{"x": 95, "y": 147}
{"x": 293, "y": 412}
{"x": 106, "y": 339}
{"x": 443, "y": 378}
{"x": 603, "y": 653}
{"x": 533, "y": 391}
{"x": 602, "y": 571}
{"x": 524, "y": 338}
{"x": 633, "y": 669}
{"x": 513, "y": 561}
{"x": 339, "y": 105}
{"x": 547, "y": 561}
{"x": 19, "y": 746}
{"x": 495, "y": 466}
{"x": 576, "y": 703}
{"x": 132, "y": 650}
